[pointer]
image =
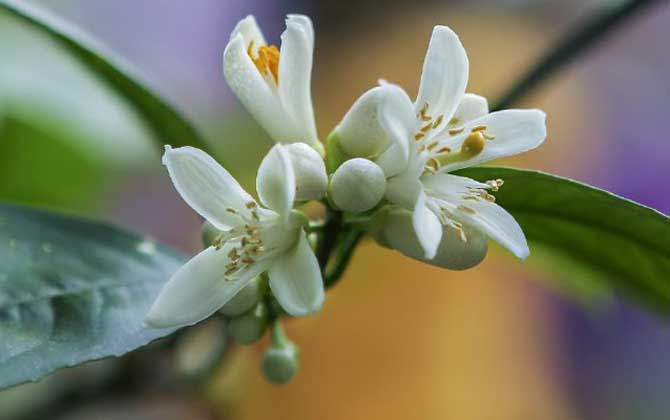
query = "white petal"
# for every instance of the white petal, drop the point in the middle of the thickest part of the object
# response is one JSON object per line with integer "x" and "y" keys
{"x": 295, "y": 75}
{"x": 472, "y": 106}
{"x": 445, "y": 74}
{"x": 427, "y": 227}
{"x": 382, "y": 115}
{"x": 275, "y": 181}
{"x": 404, "y": 189}
{"x": 399, "y": 122}
{"x": 198, "y": 289}
{"x": 255, "y": 93}
{"x": 249, "y": 30}
{"x": 483, "y": 215}
{"x": 295, "y": 280}
{"x": 454, "y": 254}
{"x": 309, "y": 168}
{"x": 515, "y": 131}
{"x": 205, "y": 185}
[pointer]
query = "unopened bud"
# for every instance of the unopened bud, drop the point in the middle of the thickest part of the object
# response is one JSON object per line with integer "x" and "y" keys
{"x": 309, "y": 168}
{"x": 357, "y": 185}
{"x": 280, "y": 361}
{"x": 244, "y": 300}
{"x": 250, "y": 326}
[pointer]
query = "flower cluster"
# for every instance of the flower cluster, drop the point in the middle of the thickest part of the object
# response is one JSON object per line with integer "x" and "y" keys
{"x": 390, "y": 162}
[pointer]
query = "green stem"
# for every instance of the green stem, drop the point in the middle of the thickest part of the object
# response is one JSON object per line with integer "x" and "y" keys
{"x": 328, "y": 237}
{"x": 570, "y": 46}
{"x": 345, "y": 252}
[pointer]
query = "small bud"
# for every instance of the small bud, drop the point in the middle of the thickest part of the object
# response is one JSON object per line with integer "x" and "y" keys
{"x": 250, "y": 326}
{"x": 244, "y": 300}
{"x": 311, "y": 179}
{"x": 280, "y": 361}
{"x": 357, "y": 185}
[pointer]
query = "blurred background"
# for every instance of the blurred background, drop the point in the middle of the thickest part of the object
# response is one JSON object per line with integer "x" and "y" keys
{"x": 396, "y": 339}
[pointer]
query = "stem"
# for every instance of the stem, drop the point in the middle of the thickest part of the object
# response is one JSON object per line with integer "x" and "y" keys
{"x": 570, "y": 46}
{"x": 328, "y": 237}
{"x": 345, "y": 253}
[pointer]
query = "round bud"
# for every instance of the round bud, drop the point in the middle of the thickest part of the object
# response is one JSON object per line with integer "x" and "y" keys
{"x": 250, "y": 326}
{"x": 309, "y": 168}
{"x": 280, "y": 364}
{"x": 357, "y": 185}
{"x": 244, "y": 300}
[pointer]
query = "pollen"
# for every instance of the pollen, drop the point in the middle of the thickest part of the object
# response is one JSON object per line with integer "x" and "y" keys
{"x": 266, "y": 59}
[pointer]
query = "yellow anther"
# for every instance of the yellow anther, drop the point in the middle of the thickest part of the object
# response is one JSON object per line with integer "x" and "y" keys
{"x": 419, "y": 136}
{"x": 438, "y": 121}
{"x": 266, "y": 59}
{"x": 454, "y": 131}
{"x": 426, "y": 127}
{"x": 473, "y": 144}
{"x": 454, "y": 121}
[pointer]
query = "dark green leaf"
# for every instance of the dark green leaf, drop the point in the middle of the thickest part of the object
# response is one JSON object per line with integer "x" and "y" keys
{"x": 168, "y": 125}
{"x": 609, "y": 240}
{"x": 72, "y": 291}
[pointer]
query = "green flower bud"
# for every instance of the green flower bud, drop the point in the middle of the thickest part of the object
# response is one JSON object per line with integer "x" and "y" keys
{"x": 244, "y": 300}
{"x": 250, "y": 326}
{"x": 357, "y": 185}
{"x": 280, "y": 361}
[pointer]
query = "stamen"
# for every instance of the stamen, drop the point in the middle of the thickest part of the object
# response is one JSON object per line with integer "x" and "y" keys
{"x": 438, "y": 121}
{"x": 455, "y": 131}
{"x": 466, "y": 209}
{"x": 419, "y": 136}
{"x": 266, "y": 60}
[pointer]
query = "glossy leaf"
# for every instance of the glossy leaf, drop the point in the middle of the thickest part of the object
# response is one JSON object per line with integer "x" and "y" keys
{"x": 167, "y": 124}
{"x": 72, "y": 291}
{"x": 609, "y": 241}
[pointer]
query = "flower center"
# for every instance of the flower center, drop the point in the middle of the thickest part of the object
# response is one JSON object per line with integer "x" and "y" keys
{"x": 446, "y": 211}
{"x": 246, "y": 242}
{"x": 266, "y": 59}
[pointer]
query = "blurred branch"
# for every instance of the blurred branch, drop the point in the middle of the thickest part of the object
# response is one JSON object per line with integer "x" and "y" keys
{"x": 345, "y": 252}
{"x": 570, "y": 47}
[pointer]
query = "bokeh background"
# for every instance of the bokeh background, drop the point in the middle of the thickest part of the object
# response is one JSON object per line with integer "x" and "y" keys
{"x": 396, "y": 339}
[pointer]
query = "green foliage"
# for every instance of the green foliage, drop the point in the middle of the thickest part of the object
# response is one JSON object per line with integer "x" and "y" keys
{"x": 610, "y": 242}
{"x": 72, "y": 291}
{"x": 169, "y": 126}
{"x": 44, "y": 169}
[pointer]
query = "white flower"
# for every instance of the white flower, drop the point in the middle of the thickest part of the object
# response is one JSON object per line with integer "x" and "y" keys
{"x": 418, "y": 143}
{"x": 254, "y": 240}
{"x": 274, "y": 84}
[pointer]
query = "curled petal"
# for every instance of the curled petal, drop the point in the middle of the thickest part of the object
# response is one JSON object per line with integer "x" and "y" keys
{"x": 206, "y": 186}
{"x": 198, "y": 289}
{"x": 427, "y": 227}
{"x": 295, "y": 280}
{"x": 309, "y": 168}
{"x": 444, "y": 76}
{"x": 250, "y": 32}
{"x": 275, "y": 181}
{"x": 295, "y": 75}
{"x": 381, "y": 118}
{"x": 453, "y": 253}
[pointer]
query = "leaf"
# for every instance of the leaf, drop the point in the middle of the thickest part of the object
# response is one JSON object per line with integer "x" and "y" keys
{"x": 168, "y": 125}
{"x": 72, "y": 291}
{"x": 609, "y": 240}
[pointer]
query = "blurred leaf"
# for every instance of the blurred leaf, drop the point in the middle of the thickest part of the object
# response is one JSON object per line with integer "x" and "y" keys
{"x": 166, "y": 122}
{"x": 42, "y": 169}
{"x": 609, "y": 241}
{"x": 72, "y": 291}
